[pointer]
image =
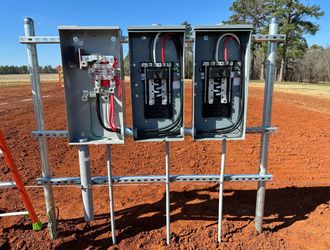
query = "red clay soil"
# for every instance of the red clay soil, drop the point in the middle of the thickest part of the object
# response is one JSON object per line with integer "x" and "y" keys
{"x": 297, "y": 209}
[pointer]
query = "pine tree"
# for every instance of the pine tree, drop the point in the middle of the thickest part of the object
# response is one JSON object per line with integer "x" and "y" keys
{"x": 253, "y": 12}
{"x": 294, "y": 23}
{"x": 294, "y": 19}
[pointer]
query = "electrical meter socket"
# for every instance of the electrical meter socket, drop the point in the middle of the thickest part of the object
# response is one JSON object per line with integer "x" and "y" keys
{"x": 157, "y": 75}
{"x": 94, "y": 84}
{"x": 221, "y": 75}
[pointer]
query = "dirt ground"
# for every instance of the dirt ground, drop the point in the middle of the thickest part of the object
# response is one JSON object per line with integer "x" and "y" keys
{"x": 297, "y": 209}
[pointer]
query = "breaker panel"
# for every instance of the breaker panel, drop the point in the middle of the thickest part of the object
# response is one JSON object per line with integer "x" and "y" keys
{"x": 221, "y": 74}
{"x": 93, "y": 82}
{"x": 156, "y": 67}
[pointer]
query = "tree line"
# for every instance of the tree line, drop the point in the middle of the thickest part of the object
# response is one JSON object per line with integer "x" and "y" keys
{"x": 312, "y": 66}
{"x": 296, "y": 60}
{"x": 12, "y": 69}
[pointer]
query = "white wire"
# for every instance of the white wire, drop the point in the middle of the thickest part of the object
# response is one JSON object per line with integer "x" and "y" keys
{"x": 218, "y": 44}
{"x": 154, "y": 47}
{"x": 107, "y": 112}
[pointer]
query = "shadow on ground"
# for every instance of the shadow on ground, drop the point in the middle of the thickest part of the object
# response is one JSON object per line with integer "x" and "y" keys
{"x": 285, "y": 206}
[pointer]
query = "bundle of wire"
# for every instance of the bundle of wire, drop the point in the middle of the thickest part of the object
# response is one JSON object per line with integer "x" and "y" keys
{"x": 93, "y": 73}
{"x": 111, "y": 114}
{"x": 229, "y": 37}
{"x": 173, "y": 128}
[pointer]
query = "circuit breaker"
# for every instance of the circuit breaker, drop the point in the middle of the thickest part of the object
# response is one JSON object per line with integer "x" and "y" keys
{"x": 93, "y": 82}
{"x": 157, "y": 74}
{"x": 221, "y": 74}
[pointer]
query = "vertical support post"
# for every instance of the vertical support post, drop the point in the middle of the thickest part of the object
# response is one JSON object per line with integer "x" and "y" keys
{"x": 110, "y": 183}
{"x": 38, "y": 111}
{"x": 167, "y": 163}
{"x": 86, "y": 182}
{"x": 221, "y": 186}
{"x": 267, "y": 111}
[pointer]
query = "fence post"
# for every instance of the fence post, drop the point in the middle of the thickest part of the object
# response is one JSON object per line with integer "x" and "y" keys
{"x": 111, "y": 198}
{"x": 267, "y": 111}
{"x": 168, "y": 210}
{"x": 221, "y": 186}
{"x": 38, "y": 111}
{"x": 86, "y": 182}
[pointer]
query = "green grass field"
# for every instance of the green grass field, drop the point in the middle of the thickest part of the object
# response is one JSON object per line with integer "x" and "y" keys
{"x": 312, "y": 89}
{"x": 24, "y": 79}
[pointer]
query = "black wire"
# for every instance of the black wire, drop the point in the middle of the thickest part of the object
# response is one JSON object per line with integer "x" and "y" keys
{"x": 242, "y": 105}
{"x": 233, "y": 126}
{"x": 171, "y": 129}
{"x": 177, "y": 44}
{"x": 99, "y": 118}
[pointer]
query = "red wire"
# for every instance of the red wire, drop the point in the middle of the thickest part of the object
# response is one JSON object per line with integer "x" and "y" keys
{"x": 112, "y": 122}
{"x": 163, "y": 47}
{"x": 225, "y": 53}
{"x": 118, "y": 84}
{"x": 120, "y": 88}
{"x": 111, "y": 114}
{"x": 109, "y": 118}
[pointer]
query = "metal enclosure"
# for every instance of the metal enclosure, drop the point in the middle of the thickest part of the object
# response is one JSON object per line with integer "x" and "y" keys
{"x": 221, "y": 74}
{"x": 157, "y": 75}
{"x": 93, "y": 81}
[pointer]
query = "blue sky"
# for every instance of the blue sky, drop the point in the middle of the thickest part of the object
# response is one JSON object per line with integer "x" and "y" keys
{"x": 49, "y": 14}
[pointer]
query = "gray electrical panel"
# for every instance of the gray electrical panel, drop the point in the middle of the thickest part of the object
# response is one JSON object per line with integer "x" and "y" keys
{"x": 221, "y": 74}
{"x": 157, "y": 74}
{"x": 93, "y": 82}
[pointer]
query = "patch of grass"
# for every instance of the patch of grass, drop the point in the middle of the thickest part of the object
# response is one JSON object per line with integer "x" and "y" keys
{"x": 312, "y": 89}
{"x": 24, "y": 79}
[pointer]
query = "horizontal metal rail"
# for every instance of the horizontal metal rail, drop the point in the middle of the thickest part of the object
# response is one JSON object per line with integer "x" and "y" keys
{"x": 7, "y": 184}
{"x": 128, "y": 132}
{"x": 50, "y": 133}
{"x": 269, "y": 38}
{"x": 98, "y": 180}
{"x": 256, "y": 130}
{"x": 39, "y": 39}
{"x": 56, "y": 39}
{"x": 14, "y": 213}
